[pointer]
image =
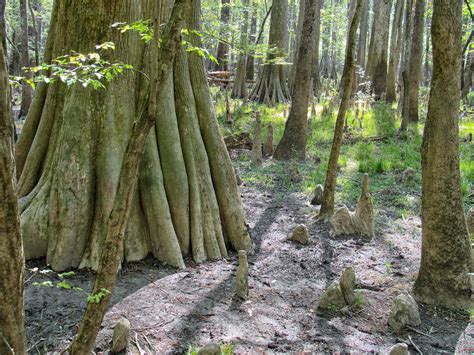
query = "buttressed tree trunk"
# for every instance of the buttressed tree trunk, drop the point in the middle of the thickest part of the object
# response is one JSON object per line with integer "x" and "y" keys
{"x": 12, "y": 336}
{"x": 445, "y": 254}
{"x": 187, "y": 200}
{"x": 327, "y": 205}
{"x": 395, "y": 44}
{"x": 416, "y": 61}
{"x": 378, "y": 51}
{"x": 293, "y": 142}
{"x": 271, "y": 86}
{"x": 170, "y": 42}
{"x": 26, "y": 90}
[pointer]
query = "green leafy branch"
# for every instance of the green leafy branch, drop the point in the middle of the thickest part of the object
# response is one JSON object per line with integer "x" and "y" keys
{"x": 86, "y": 69}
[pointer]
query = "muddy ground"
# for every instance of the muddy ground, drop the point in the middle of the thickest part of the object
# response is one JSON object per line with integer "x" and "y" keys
{"x": 169, "y": 310}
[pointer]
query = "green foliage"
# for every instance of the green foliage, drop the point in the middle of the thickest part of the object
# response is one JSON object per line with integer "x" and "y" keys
{"x": 66, "y": 275}
{"x": 142, "y": 27}
{"x": 226, "y": 349}
{"x": 98, "y": 296}
{"x": 85, "y": 69}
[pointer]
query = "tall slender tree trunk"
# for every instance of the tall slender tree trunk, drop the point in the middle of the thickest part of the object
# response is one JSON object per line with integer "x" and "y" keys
{"x": 362, "y": 46}
{"x": 378, "y": 51}
{"x": 186, "y": 202}
{"x": 223, "y": 47}
{"x": 298, "y": 31}
{"x": 443, "y": 278}
{"x": 12, "y": 335}
{"x": 316, "y": 40}
{"x": 426, "y": 65}
{"x": 26, "y": 90}
{"x": 239, "y": 89}
{"x": 271, "y": 86}
{"x": 293, "y": 142}
{"x": 395, "y": 45}
{"x": 416, "y": 61}
{"x": 253, "y": 32}
{"x": 404, "y": 67}
{"x": 327, "y": 205}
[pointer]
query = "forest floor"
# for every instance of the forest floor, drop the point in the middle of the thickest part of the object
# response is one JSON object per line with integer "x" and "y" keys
{"x": 177, "y": 311}
{"x": 172, "y": 311}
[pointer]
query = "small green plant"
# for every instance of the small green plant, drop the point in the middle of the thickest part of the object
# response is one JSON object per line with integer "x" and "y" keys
{"x": 97, "y": 297}
{"x": 359, "y": 301}
{"x": 226, "y": 349}
{"x": 66, "y": 275}
{"x": 388, "y": 266}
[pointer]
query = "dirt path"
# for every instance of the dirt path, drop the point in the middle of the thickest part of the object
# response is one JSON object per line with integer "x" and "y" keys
{"x": 170, "y": 310}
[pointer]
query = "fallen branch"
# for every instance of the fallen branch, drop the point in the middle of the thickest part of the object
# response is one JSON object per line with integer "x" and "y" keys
{"x": 414, "y": 345}
{"x": 420, "y": 332}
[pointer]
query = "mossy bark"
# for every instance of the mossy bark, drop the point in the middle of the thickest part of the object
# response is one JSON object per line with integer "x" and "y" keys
{"x": 443, "y": 278}
{"x": 12, "y": 335}
{"x": 77, "y": 138}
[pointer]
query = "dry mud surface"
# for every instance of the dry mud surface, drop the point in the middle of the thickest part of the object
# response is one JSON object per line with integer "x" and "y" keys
{"x": 170, "y": 310}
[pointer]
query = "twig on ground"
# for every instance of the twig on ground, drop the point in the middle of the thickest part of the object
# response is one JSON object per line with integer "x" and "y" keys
{"x": 422, "y": 333}
{"x": 414, "y": 345}
{"x": 153, "y": 326}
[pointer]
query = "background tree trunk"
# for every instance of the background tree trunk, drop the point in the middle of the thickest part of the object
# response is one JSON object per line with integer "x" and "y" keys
{"x": 327, "y": 205}
{"x": 26, "y": 90}
{"x": 12, "y": 336}
{"x": 316, "y": 39}
{"x": 378, "y": 51}
{"x": 395, "y": 45}
{"x": 416, "y": 61}
{"x": 187, "y": 200}
{"x": 443, "y": 278}
{"x": 271, "y": 86}
{"x": 239, "y": 89}
{"x": 404, "y": 67}
{"x": 223, "y": 47}
{"x": 362, "y": 45}
{"x": 293, "y": 142}
{"x": 253, "y": 32}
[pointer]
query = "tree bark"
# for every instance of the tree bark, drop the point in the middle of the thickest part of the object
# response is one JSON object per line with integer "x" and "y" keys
{"x": 26, "y": 90}
{"x": 378, "y": 51}
{"x": 12, "y": 335}
{"x": 416, "y": 61}
{"x": 271, "y": 86}
{"x": 395, "y": 45}
{"x": 327, "y": 205}
{"x": 293, "y": 142}
{"x": 298, "y": 31}
{"x": 443, "y": 278}
{"x": 187, "y": 200}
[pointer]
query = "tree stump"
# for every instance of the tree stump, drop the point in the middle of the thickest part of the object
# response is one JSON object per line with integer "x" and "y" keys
{"x": 242, "y": 283}
{"x": 257, "y": 143}
{"x": 361, "y": 221}
{"x": 268, "y": 145}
